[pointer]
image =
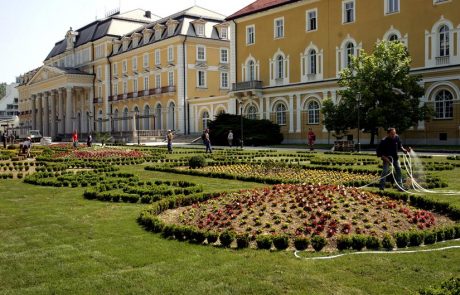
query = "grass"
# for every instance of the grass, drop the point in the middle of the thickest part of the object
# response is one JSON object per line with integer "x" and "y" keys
{"x": 55, "y": 241}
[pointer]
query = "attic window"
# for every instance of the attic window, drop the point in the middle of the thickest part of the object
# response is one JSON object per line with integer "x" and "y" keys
{"x": 171, "y": 30}
{"x": 224, "y": 33}
{"x": 200, "y": 30}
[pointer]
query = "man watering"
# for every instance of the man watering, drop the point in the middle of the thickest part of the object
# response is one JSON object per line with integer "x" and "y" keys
{"x": 388, "y": 152}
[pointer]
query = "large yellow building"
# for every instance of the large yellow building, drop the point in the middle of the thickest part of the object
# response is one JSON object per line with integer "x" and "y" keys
{"x": 287, "y": 55}
{"x": 131, "y": 74}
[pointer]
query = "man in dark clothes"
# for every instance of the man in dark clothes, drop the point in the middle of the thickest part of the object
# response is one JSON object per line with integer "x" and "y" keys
{"x": 388, "y": 152}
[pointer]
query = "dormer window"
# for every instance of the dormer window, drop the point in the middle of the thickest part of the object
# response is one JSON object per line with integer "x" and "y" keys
{"x": 199, "y": 25}
{"x": 136, "y": 37}
{"x": 172, "y": 25}
{"x": 147, "y": 33}
{"x": 125, "y": 40}
{"x": 116, "y": 45}
{"x": 158, "y": 31}
{"x": 224, "y": 33}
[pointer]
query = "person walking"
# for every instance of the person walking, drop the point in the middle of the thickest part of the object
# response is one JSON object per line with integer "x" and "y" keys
{"x": 89, "y": 140}
{"x": 207, "y": 141}
{"x": 388, "y": 152}
{"x": 230, "y": 138}
{"x": 75, "y": 139}
{"x": 311, "y": 139}
{"x": 169, "y": 138}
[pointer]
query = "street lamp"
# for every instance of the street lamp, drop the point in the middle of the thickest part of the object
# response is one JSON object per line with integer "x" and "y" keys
{"x": 359, "y": 104}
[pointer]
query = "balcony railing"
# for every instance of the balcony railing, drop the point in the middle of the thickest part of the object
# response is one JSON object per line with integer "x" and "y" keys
{"x": 254, "y": 84}
{"x": 442, "y": 60}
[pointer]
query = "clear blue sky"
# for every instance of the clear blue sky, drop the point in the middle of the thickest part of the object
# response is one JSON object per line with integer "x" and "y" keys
{"x": 29, "y": 29}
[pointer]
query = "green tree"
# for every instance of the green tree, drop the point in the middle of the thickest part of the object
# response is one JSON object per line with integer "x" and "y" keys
{"x": 388, "y": 95}
{"x": 2, "y": 89}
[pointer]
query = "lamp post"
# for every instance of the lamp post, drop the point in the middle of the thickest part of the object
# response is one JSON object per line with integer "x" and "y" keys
{"x": 359, "y": 104}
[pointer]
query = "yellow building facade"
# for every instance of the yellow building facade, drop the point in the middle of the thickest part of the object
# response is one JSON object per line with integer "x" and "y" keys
{"x": 133, "y": 75}
{"x": 287, "y": 56}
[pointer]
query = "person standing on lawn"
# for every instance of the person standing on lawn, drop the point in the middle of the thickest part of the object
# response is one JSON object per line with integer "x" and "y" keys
{"x": 311, "y": 139}
{"x": 169, "y": 138}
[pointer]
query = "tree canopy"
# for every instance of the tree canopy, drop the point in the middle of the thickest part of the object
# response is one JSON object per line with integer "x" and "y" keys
{"x": 380, "y": 85}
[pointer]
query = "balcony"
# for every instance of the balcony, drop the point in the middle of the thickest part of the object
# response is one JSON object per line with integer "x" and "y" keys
{"x": 442, "y": 60}
{"x": 168, "y": 89}
{"x": 247, "y": 85}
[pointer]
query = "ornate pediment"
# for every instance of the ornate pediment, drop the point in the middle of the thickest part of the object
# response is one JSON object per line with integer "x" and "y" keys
{"x": 45, "y": 73}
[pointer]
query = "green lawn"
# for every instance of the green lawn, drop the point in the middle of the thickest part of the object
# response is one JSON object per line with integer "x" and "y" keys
{"x": 55, "y": 241}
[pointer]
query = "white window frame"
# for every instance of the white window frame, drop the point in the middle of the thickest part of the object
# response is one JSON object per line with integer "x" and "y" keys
{"x": 115, "y": 69}
{"x": 170, "y": 53}
{"x": 392, "y": 4}
{"x": 278, "y": 28}
{"x": 224, "y": 56}
{"x": 158, "y": 81}
{"x": 125, "y": 87}
{"x": 134, "y": 63}
{"x": 308, "y": 20}
{"x": 224, "y": 33}
{"x": 171, "y": 78}
{"x": 157, "y": 57}
{"x": 145, "y": 60}
{"x": 124, "y": 68}
{"x": 344, "y": 12}
{"x": 250, "y": 34}
{"x": 146, "y": 83}
{"x": 115, "y": 89}
{"x": 224, "y": 80}
{"x": 280, "y": 115}
{"x": 99, "y": 73}
{"x": 171, "y": 30}
{"x": 444, "y": 108}
{"x": 198, "y": 58}
{"x": 198, "y": 82}
{"x": 313, "y": 114}
{"x": 135, "y": 86}
{"x": 200, "y": 30}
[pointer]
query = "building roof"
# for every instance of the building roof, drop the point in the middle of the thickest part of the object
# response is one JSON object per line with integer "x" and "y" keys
{"x": 114, "y": 25}
{"x": 258, "y": 6}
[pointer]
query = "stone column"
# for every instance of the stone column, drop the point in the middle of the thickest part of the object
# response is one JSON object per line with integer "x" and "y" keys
{"x": 53, "y": 114}
{"x": 39, "y": 113}
{"x": 46, "y": 114}
{"x": 68, "y": 111}
{"x": 90, "y": 109}
{"x": 61, "y": 111}
{"x": 34, "y": 115}
{"x": 299, "y": 114}
{"x": 291, "y": 114}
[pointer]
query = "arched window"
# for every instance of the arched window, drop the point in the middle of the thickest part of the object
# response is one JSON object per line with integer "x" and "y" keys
{"x": 138, "y": 119}
{"x": 312, "y": 61}
{"x": 115, "y": 120}
{"x": 313, "y": 112}
{"x": 205, "y": 119}
{"x": 349, "y": 53}
{"x": 251, "y": 75}
{"x": 146, "y": 117}
{"x": 99, "y": 121}
{"x": 158, "y": 117}
{"x": 444, "y": 40}
{"x": 252, "y": 112}
{"x": 125, "y": 120}
{"x": 393, "y": 37}
{"x": 279, "y": 67}
{"x": 280, "y": 111}
{"x": 444, "y": 105}
{"x": 171, "y": 116}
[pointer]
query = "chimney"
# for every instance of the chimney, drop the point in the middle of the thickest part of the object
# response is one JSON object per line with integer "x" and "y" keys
{"x": 148, "y": 14}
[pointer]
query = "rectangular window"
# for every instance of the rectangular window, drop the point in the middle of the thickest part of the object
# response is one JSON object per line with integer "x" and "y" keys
{"x": 99, "y": 91}
{"x": 224, "y": 80}
{"x": 99, "y": 73}
{"x": 157, "y": 57}
{"x": 200, "y": 53}
{"x": 115, "y": 69}
{"x": 201, "y": 79}
{"x": 224, "y": 33}
{"x": 250, "y": 35}
{"x": 279, "y": 28}
{"x": 135, "y": 63}
{"x": 170, "y": 78}
{"x": 125, "y": 87}
{"x": 146, "y": 83}
{"x": 146, "y": 61}
{"x": 200, "y": 30}
{"x": 392, "y": 6}
{"x": 115, "y": 89}
{"x": 157, "y": 81}
{"x": 135, "y": 85}
{"x": 348, "y": 11}
{"x": 224, "y": 55}
{"x": 312, "y": 23}
{"x": 125, "y": 66}
{"x": 171, "y": 29}
{"x": 170, "y": 53}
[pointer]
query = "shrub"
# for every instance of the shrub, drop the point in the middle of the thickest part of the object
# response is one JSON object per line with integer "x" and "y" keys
{"x": 430, "y": 237}
{"x": 449, "y": 233}
{"x": 373, "y": 243}
{"x": 242, "y": 241}
{"x": 343, "y": 242}
{"x": 226, "y": 238}
{"x": 416, "y": 238}
{"x": 281, "y": 242}
{"x": 440, "y": 235}
{"x": 449, "y": 287}
{"x": 264, "y": 242}
{"x": 198, "y": 236}
{"x": 402, "y": 239}
{"x": 212, "y": 237}
{"x": 301, "y": 243}
{"x": 197, "y": 162}
{"x": 318, "y": 242}
{"x": 388, "y": 242}
{"x": 358, "y": 242}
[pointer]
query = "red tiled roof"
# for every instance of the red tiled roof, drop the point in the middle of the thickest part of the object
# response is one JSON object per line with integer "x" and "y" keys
{"x": 258, "y": 6}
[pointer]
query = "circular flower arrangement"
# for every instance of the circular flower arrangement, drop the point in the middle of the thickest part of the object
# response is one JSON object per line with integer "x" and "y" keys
{"x": 304, "y": 210}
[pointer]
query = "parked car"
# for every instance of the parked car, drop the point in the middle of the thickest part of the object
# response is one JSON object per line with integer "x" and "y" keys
{"x": 35, "y": 135}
